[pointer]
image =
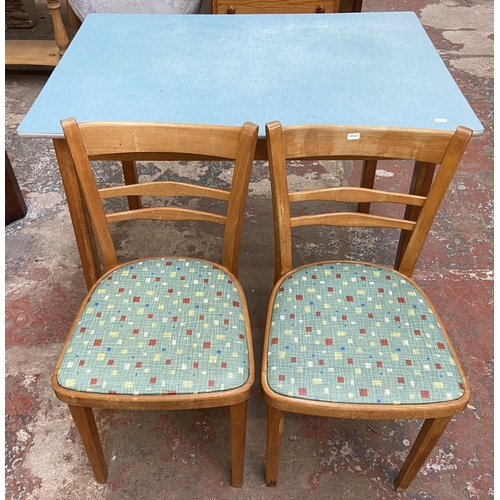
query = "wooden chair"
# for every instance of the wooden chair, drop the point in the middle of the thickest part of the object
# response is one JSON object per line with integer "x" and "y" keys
{"x": 167, "y": 333}
{"x": 353, "y": 339}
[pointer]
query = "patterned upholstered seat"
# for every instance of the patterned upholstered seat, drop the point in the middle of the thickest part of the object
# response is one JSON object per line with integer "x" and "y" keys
{"x": 159, "y": 326}
{"x": 356, "y": 333}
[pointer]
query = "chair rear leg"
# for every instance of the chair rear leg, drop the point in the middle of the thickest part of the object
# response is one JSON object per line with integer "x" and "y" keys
{"x": 238, "y": 437}
{"x": 427, "y": 438}
{"x": 275, "y": 419}
{"x": 85, "y": 423}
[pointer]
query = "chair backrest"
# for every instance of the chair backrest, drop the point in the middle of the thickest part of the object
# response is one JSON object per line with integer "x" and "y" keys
{"x": 359, "y": 143}
{"x": 162, "y": 141}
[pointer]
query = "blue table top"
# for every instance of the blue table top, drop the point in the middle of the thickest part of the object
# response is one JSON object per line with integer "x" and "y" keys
{"x": 353, "y": 69}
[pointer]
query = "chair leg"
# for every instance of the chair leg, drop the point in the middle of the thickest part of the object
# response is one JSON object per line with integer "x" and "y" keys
{"x": 86, "y": 426}
{"x": 238, "y": 436}
{"x": 275, "y": 419}
{"x": 427, "y": 438}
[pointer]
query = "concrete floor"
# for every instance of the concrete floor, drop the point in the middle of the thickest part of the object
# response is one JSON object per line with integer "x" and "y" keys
{"x": 185, "y": 455}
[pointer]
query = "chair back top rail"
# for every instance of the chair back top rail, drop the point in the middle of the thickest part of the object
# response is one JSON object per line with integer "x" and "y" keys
{"x": 104, "y": 138}
{"x": 363, "y": 142}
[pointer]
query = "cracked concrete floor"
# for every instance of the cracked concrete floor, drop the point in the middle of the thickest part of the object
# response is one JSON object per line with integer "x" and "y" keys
{"x": 185, "y": 454}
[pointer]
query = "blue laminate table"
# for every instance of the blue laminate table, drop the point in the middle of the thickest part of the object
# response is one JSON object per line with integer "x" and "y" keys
{"x": 355, "y": 68}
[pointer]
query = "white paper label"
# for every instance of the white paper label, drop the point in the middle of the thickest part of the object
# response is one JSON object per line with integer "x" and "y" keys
{"x": 353, "y": 136}
{"x": 441, "y": 120}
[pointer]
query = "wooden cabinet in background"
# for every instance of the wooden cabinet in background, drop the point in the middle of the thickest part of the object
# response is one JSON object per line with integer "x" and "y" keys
{"x": 275, "y": 6}
{"x": 285, "y": 6}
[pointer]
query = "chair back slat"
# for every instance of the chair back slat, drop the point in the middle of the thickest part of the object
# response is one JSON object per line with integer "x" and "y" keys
{"x": 130, "y": 140}
{"x": 166, "y": 213}
{"x": 164, "y": 188}
{"x": 351, "y": 219}
{"x": 314, "y": 142}
{"x": 356, "y": 195}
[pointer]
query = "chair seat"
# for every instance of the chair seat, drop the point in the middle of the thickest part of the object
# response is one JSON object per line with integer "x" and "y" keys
{"x": 357, "y": 333}
{"x": 159, "y": 326}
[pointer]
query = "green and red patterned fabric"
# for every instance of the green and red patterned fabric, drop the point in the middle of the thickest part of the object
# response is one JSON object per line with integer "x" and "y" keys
{"x": 159, "y": 326}
{"x": 357, "y": 333}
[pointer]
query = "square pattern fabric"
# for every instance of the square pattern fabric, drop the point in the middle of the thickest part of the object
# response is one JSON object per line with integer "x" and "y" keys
{"x": 159, "y": 326}
{"x": 357, "y": 333}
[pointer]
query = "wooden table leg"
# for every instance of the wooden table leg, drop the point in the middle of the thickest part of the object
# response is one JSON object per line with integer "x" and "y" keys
{"x": 421, "y": 182}
{"x": 15, "y": 207}
{"x": 81, "y": 224}
{"x": 367, "y": 181}
{"x": 358, "y": 5}
{"x": 130, "y": 176}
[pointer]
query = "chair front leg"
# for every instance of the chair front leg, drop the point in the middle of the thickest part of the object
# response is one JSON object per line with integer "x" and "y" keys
{"x": 427, "y": 438}
{"x": 86, "y": 426}
{"x": 275, "y": 419}
{"x": 238, "y": 437}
